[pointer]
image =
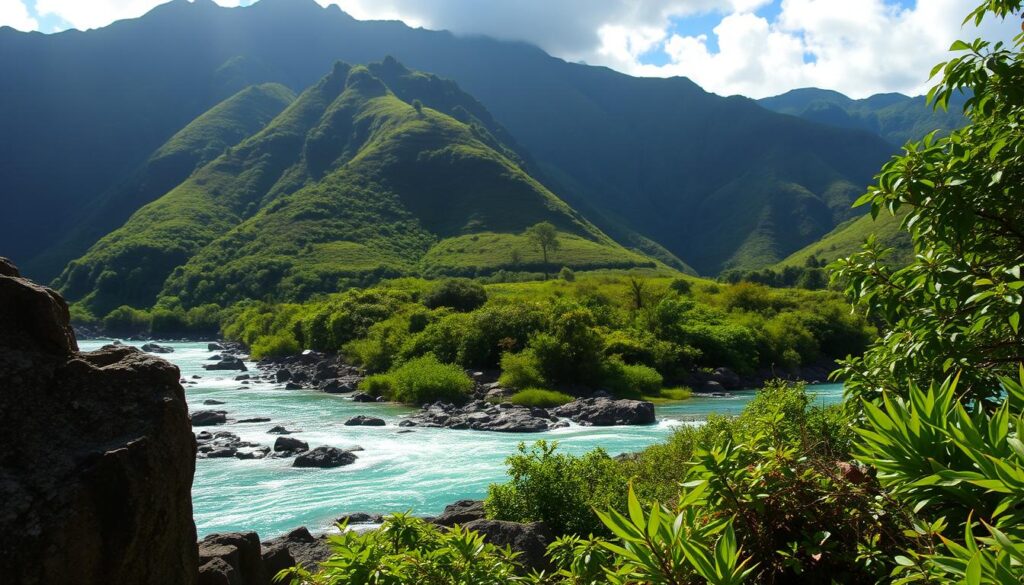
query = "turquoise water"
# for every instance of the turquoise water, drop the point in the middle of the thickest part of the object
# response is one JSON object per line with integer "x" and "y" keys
{"x": 421, "y": 471}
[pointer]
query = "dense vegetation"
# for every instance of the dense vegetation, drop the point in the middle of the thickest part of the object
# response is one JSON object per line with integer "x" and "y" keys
{"x": 634, "y": 334}
{"x": 935, "y": 489}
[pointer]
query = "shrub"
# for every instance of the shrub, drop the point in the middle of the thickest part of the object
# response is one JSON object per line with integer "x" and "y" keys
{"x": 126, "y": 320}
{"x": 680, "y": 286}
{"x": 460, "y": 294}
{"x": 520, "y": 370}
{"x": 539, "y": 397}
{"x": 572, "y": 352}
{"x": 559, "y": 489}
{"x": 567, "y": 274}
{"x": 631, "y": 380}
{"x": 421, "y": 381}
{"x": 277, "y": 345}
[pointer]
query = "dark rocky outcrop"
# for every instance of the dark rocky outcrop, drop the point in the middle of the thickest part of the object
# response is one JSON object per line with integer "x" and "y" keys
{"x": 97, "y": 471}
{"x": 279, "y": 430}
{"x": 363, "y": 397}
{"x": 530, "y": 540}
{"x": 364, "y": 421}
{"x": 484, "y": 416}
{"x": 461, "y": 512}
{"x": 602, "y": 412}
{"x": 233, "y": 557}
{"x": 298, "y": 547}
{"x": 157, "y": 348}
{"x": 324, "y": 457}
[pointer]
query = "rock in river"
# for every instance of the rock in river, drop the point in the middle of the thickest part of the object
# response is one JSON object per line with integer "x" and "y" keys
{"x": 364, "y": 421}
{"x": 324, "y": 457}
{"x": 603, "y": 412}
{"x": 156, "y": 348}
{"x": 228, "y": 363}
{"x": 207, "y": 418}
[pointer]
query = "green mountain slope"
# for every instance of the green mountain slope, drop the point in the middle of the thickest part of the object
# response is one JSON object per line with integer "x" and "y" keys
{"x": 349, "y": 184}
{"x": 848, "y": 238}
{"x": 645, "y": 159}
{"x": 201, "y": 141}
{"x": 893, "y": 116}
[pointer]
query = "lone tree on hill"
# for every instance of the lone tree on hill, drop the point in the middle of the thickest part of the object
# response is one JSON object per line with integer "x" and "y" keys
{"x": 544, "y": 236}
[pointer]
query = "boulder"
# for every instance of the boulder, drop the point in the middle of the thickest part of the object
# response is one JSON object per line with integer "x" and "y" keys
{"x": 324, "y": 457}
{"x": 602, "y": 412}
{"x": 364, "y": 421}
{"x": 293, "y": 386}
{"x": 288, "y": 444}
{"x": 360, "y": 518}
{"x": 461, "y": 512}
{"x": 239, "y": 550}
{"x": 212, "y": 402}
{"x": 279, "y": 430}
{"x": 729, "y": 379}
{"x": 257, "y": 419}
{"x": 282, "y": 375}
{"x": 156, "y": 348}
{"x": 206, "y": 418}
{"x": 530, "y": 540}
{"x": 229, "y": 363}
{"x": 214, "y": 346}
{"x": 217, "y": 571}
{"x": 363, "y": 397}
{"x": 340, "y": 386}
{"x": 303, "y": 548}
{"x": 96, "y": 478}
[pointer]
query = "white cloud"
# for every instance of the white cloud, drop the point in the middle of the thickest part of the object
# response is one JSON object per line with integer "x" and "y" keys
{"x": 858, "y": 47}
{"x": 86, "y": 14}
{"x": 15, "y": 15}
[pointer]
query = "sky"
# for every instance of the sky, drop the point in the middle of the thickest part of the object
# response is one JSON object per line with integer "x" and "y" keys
{"x": 755, "y": 48}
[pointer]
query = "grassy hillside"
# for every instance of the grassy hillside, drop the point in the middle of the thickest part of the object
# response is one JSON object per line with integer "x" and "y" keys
{"x": 895, "y": 117}
{"x": 195, "y": 145}
{"x": 348, "y": 185}
{"x": 657, "y": 163}
{"x": 848, "y": 238}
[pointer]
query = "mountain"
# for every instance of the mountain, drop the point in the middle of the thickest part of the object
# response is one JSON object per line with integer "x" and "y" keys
{"x": 202, "y": 140}
{"x": 849, "y": 236}
{"x": 349, "y": 184}
{"x": 658, "y": 164}
{"x": 893, "y": 116}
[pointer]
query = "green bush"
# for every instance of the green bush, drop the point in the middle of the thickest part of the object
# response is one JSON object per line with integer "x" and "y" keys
{"x": 460, "y": 294}
{"x": 279, "y": 345}
{"x": 126, "y": 320}
{"x": 632, "y": 380}
{"x": 559, "y": 489}
{"x": 572, "y": 352}
{"x": 421, "y": 381}
{"x": 520, "y": 370}
{"x": 567, "y": 274}
{"x": 539, "y": 397}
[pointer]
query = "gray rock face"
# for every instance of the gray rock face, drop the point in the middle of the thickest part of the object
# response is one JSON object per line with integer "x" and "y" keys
{"x": 157, "y": 348}
{"x": 223, "y": 444}
{"x": 602, "y": 412}
{"x": 461, "y": 512}
{"x": 356, "y": 518}
{"x": 96, "y": 480}
{"x": 530, "y": 540}
{"x": 364, "y": 421}
{"x": 324, "y": 457}
{"x": 483, "y": 416}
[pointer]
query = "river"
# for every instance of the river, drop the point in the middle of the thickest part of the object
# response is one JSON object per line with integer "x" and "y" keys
{"x": 420, "y": 471}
